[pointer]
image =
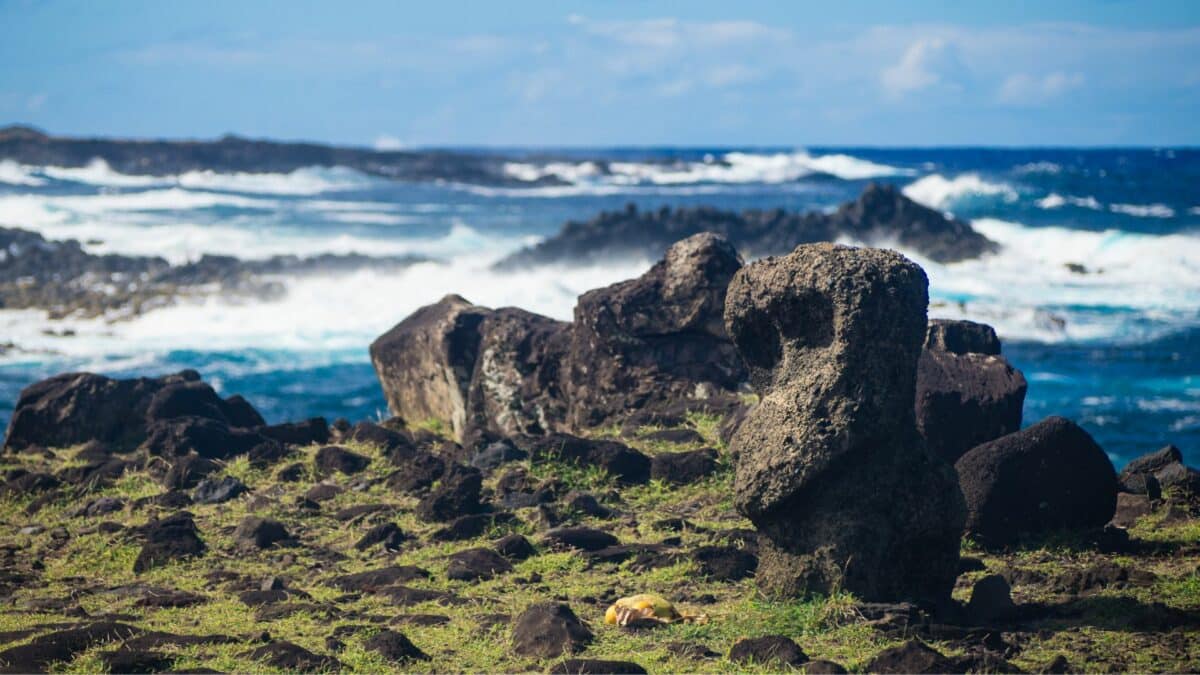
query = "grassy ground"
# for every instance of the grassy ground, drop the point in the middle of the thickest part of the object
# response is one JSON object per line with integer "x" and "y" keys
{"x": 83, "y": 569}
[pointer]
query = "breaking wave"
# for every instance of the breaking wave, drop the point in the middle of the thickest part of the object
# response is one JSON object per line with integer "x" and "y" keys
{"x": 937, "y": 191}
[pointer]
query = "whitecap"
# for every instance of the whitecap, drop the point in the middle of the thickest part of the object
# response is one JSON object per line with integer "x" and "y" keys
{"x": 304, "y": 181}
{"x": 16, "y": 174}
{"x": 1038, "y": 167}
{"x": 1143, "y": 210}
{"x": 98, "y": 172}
{"x": 1056, "y": 201}
{"x": 937, "y": 191}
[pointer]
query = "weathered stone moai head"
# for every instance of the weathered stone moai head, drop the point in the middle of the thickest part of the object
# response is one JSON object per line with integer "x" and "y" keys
{"x": 829, "y": 465}
{"x": 831, "y": 335}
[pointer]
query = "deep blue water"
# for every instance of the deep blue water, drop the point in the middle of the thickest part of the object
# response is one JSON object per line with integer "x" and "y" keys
{"x": 1117, "y": 348}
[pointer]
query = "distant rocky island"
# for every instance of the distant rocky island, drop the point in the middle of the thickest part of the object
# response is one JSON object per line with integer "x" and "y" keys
{"x": 881, "y": 215}
{"x": 236, "y": 154}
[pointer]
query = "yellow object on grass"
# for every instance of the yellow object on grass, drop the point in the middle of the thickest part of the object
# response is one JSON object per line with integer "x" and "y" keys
{"x": 644, "y": 607}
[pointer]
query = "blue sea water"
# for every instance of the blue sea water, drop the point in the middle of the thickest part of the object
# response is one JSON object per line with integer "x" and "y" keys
{"x": 1117, "y": 347}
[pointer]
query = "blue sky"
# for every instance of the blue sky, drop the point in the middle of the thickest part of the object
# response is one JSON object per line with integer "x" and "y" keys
{"x": 609, "y": 73}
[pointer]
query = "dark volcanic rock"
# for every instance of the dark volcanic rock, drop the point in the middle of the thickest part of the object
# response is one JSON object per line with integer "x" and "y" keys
{"x": 126, "y": 660}
{"x": 1050, "y": 476}
{"x": 172, "y": 538}
{"x": 334, "y": 458}
{"x": 991, "y": 601}
{"x": 1151, "y": 473}
{"x": 394, "y": 647}
{"x": 28, "y": 484}
{"x": 514, "y": 547}
{"x": 211, "y": 491}
{"x": 681, "y": 468}
{"x": 389, "y": 535}
{"x": 767, "y": 651}
{"x": 548, "y": 630}
{"x": 289, "y": 656}
{"x": 475, "y": 564}
{"x": 621, "y": 461}
{"x": 373, "y": 580}
{"x": 596, "y": 667}
{"x": 426, "y": 361}
{"x": 911, "y": 657}
{"x": 967, "y": 393}
{"x": 830, "y": 467}
{"x": 456, "y": 494}
{"x": 308, "y": 432}
{"x": 417, "y": 474}
{"x": 582, "y": 538}
{"x": 516, "y": 387}
{"x": 469, "y": 527}
{"x": 881, "y": 213}
{"x": 206, "y": 437}
{"x": 188, "y": 471}
{"x": 497, "y": 454}
{"x": 61, "y": 646}
{"x": 725, "y": 563}
{"x": 255, "y": 532}
{"x": 74, "y": 408}
{"x": 655, "y": 339}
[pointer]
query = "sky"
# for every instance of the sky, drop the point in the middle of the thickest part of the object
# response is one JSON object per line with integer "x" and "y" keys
{"x": 625, "y": 73}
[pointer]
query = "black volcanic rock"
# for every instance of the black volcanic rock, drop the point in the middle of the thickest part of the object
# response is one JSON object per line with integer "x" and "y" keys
{"x": 1050, "y": 476}
{"x": 967, "y": 393}
{"x": 653, "y": 342}
{"x": 880, "y": 214}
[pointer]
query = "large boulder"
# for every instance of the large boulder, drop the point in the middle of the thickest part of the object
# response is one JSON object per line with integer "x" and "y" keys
{"x": 516, "y": 387}
{"x": 1048, "y": 477}
{"x": 75, "y": 408}
{"x": 426, "y": 361}
{"x": 655, "y": 339}
{"x": 829, "y": 465}
{"x": 967, "y": 393}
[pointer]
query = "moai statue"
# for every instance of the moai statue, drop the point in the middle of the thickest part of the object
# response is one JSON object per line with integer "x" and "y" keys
{"x": 830, "y": 467}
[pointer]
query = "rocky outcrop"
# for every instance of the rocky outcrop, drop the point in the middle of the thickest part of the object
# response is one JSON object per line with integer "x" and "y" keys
{"x": 880, "y": 214}
{"x": 65, "y": 280}
{"x": 829, "y": 465}
{"x": 657, "y": 340}
{"x": 75, "y": 408}
{"x": 967, "y": 393}
{"x": 1046, "y": 478}
{"x": 1161, "y": 470}
{"x": 425, "y": 363}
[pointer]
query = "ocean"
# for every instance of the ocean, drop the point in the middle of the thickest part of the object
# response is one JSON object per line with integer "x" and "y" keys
{"x": 1095, "y": 292}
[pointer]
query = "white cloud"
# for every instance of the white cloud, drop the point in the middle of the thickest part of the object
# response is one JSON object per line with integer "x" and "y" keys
{"x": 34, "y": 103}
{"x": 388, "y": 143}
{"x": 670, "y": 33}
{"x": 927, "y": 63}
{"x": 1025, "y": 89}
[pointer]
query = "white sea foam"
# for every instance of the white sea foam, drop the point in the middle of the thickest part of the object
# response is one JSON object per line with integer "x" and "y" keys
{"x": 1156, "y": 277}
{"x": 937, "y": 191}
{"x": 1143, "y": 210}
{"x": 1057, "y": 201}
{"x": 319, "y": 314}
{"x": 304, "y": 181}
{"x": 16, "y": 174}
{"x": 733, "y": 167}
{"x": 1038, "y": 167}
